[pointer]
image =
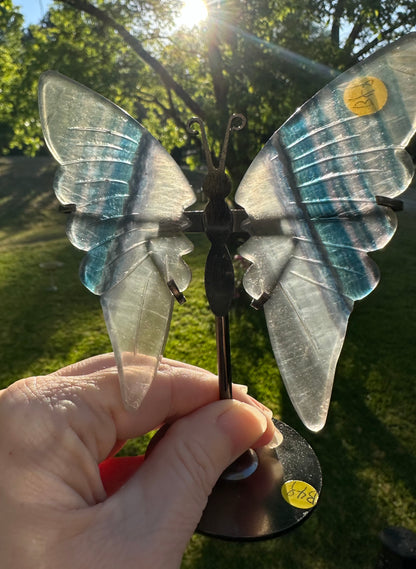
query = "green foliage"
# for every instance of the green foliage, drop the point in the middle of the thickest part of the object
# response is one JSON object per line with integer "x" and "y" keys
{"x": 10, "y": 49}
{"x": 260, "y": 57}
{"x": 75, "y": 45}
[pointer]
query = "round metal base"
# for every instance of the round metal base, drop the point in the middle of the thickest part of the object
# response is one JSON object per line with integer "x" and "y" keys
{"x": 277, "y": 496}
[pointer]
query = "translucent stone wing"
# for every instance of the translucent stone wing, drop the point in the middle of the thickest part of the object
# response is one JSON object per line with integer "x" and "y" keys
{"x": 310, "y": 195}
{"x": 129, "y": 196}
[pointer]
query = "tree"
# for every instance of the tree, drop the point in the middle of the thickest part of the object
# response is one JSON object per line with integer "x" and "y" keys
{"x": 78, "y": 46}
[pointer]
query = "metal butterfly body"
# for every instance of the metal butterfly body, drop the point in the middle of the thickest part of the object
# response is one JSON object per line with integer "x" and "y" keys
{"x": 310, "y": 197}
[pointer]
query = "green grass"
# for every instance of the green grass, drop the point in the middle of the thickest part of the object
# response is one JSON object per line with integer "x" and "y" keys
{"x": 368, "y": 447}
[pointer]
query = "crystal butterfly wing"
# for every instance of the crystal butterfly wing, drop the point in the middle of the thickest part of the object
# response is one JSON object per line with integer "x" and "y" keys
{"x": 310, "y": 196}
{"x": 129, "y": 198}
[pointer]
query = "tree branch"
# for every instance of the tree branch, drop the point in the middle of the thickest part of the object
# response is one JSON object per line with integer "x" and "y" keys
{"x": 353, "y": 36}
{"x": 383, "y": 35}
{"x": 167, "y": 80}
{"x": 220, "y": 83}
{"x": 169, "y": 112}
{"x": 336, "y": 23}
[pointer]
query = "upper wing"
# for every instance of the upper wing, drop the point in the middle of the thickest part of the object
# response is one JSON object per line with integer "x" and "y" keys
{"x": 310, "y": 196}
{"x": 129, "y": 196}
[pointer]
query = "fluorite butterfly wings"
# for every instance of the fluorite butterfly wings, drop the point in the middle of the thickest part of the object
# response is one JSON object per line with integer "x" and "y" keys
{"x": 310, "y": 197}
{"x": 129, "y": 196}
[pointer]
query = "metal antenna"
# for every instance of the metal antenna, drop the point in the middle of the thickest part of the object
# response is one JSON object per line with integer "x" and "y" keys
{"x": 204, "y": 140}
{"x": 237, "y": 121}
{"x": 232, "y": 125}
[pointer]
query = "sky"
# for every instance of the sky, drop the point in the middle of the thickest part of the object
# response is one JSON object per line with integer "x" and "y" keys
{"x": 33, "y": 10}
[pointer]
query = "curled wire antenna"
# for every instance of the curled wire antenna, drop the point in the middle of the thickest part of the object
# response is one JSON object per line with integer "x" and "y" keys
{"x": 237, "y": 121}
{"x": 204, "y": 141}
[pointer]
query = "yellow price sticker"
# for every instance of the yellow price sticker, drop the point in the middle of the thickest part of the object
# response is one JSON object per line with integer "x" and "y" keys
{"x": 300, "y": 494}
{"x": 365, "y": 95}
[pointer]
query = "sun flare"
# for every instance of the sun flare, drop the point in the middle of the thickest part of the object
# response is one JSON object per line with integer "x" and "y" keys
{"x": 192, "y": 14}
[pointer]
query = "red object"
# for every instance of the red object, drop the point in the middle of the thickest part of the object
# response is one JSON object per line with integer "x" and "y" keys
{"x": 116, "y": 471}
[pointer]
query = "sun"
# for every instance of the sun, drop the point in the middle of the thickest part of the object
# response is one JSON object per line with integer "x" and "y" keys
{"x": 192, "y": 14}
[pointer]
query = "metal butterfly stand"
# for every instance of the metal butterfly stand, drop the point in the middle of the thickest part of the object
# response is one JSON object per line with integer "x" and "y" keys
{"x": 271, "y": 490}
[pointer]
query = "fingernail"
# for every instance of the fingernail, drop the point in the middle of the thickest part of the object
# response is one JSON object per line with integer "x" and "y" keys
{"x": 276, "y": 440}
{"x": 241, "y": 387}
{"x": 229, "y": 422}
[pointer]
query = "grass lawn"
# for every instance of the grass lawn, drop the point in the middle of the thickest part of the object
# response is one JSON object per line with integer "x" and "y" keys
{"x": 367, "y": 449}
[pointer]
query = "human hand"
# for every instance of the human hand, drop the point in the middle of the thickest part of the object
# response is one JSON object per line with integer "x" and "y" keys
{"x": 56, "y": 429}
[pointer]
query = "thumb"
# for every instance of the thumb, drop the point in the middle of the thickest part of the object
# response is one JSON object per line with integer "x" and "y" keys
{"x": 179, "y": 474}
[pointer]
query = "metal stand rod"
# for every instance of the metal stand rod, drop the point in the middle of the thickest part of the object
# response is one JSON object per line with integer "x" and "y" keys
{"x": 247, "y": 463}
{"x": 224, "y": 356}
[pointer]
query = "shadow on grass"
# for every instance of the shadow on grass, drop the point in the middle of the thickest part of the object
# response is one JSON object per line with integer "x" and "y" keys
{"x": 26, "y": 196}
